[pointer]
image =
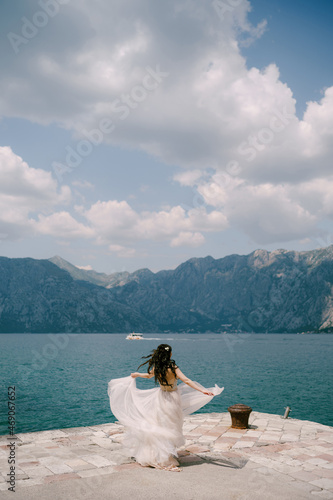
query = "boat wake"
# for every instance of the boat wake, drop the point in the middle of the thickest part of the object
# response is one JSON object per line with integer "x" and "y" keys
{"x": 157, "y": 338}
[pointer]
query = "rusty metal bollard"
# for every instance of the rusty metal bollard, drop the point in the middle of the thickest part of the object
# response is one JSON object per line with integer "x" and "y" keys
{"x": 239, "y": 416}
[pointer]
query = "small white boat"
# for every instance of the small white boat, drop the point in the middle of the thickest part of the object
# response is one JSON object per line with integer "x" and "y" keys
{"x": 134, "y": 336}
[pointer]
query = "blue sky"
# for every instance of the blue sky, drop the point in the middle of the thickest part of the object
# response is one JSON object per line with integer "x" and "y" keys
{"x": 141, "y": 134}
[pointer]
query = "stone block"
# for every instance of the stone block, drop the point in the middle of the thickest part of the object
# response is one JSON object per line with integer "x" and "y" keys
{"x": 97, "y": 472}
{"x": 324, "y": 482}
{"x": 78, "y": 464}
{"x": 322, "y": 495}
{"x": 316, "y": 461}
{"x": 37, "y": 471}
{"x": 222, "y": 446}
{"x": 304, "y": 476}
{"x": 97, "y": 460}
{"x": 61, "y": 477}
{"x": 197, "y": 449}
{"x": 243, "y": 444}
{"x": 190, "y": 459}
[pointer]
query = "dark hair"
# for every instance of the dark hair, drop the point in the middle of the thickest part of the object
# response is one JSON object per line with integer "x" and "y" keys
{"x": 161, "y": 361}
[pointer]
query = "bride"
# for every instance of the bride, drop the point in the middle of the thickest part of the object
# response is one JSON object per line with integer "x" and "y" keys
{"x": 153, "y": 418}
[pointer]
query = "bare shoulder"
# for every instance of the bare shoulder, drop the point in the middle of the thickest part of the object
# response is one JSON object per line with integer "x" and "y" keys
{"x": 181, "y": 375}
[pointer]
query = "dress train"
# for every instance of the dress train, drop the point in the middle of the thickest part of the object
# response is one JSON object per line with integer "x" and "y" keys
{"x": 153, "y": 418}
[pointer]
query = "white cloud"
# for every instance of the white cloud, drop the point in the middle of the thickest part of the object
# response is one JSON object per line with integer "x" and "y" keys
{"x": 75, "y": 82}
{"x": 85, "y": 268}
{"x": 29, "y": 198}
{"x": 266, "y": 212}
{"x": 189, "y": 177}
{"x": 121, "y": 251}
{"x": 117, "y": 223}
{"x": 198, "y": 116}
{"x": 62, "y": 224}
{"x": 209, "y": 111}
{"x": 28, "y": 186}
{"x": 83, "y": 184}
{"x": 112, "y": 220}
{"x": 186, "y": 238}
{"x": 254, "y": 32}
{"x": 23, "y": 192}
{"x": 270, "y": 212}
{"x": 317, "y": 127}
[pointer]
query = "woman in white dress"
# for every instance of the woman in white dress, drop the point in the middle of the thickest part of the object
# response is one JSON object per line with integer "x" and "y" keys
{"x": 153, "y": 418}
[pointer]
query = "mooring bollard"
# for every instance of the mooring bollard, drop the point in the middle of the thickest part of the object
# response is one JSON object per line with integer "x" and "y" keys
{"x": 286, "y": 413}
{"x": 239, "y": 416}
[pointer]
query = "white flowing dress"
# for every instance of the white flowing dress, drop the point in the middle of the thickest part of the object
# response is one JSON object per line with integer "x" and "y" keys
{"x": 153, "y": 418}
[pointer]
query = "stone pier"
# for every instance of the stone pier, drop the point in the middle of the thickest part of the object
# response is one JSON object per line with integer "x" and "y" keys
{"x": 274, "y": 456}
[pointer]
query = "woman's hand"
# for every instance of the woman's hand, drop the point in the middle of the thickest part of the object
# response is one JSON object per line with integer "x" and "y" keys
{"x": 134, "y": 375}
{"x": 208, "y": 393}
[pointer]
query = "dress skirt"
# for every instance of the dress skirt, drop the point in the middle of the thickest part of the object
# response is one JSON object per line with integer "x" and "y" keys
{"x": 153, "y": 418}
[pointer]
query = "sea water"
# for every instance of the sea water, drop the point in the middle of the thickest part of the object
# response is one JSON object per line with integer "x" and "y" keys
{"x": 61, "y": 380}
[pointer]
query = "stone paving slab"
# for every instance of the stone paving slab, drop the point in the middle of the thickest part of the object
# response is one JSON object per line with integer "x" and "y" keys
{"x": 292, "y": 451}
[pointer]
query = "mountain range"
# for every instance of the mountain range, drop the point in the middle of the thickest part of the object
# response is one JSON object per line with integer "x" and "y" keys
{"x": 279, "y": 291}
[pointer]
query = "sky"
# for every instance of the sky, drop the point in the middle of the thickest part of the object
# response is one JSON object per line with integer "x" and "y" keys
{"x": 142, "y": 133}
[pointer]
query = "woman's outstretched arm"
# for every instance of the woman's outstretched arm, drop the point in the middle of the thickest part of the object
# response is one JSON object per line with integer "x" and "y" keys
{"x": 143, "y": 375}
{"x": 190, "y": 382}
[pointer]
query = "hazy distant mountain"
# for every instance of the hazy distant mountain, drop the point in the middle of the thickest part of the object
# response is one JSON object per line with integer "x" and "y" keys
{"x": 280, "y": 291}
{"x": 277, "y": 291}
{"x": 38, "y": 296}
{"x": 101, "y": 279}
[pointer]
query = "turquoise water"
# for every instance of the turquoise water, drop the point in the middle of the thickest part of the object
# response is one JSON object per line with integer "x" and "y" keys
{"x": 61, "y": 380}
